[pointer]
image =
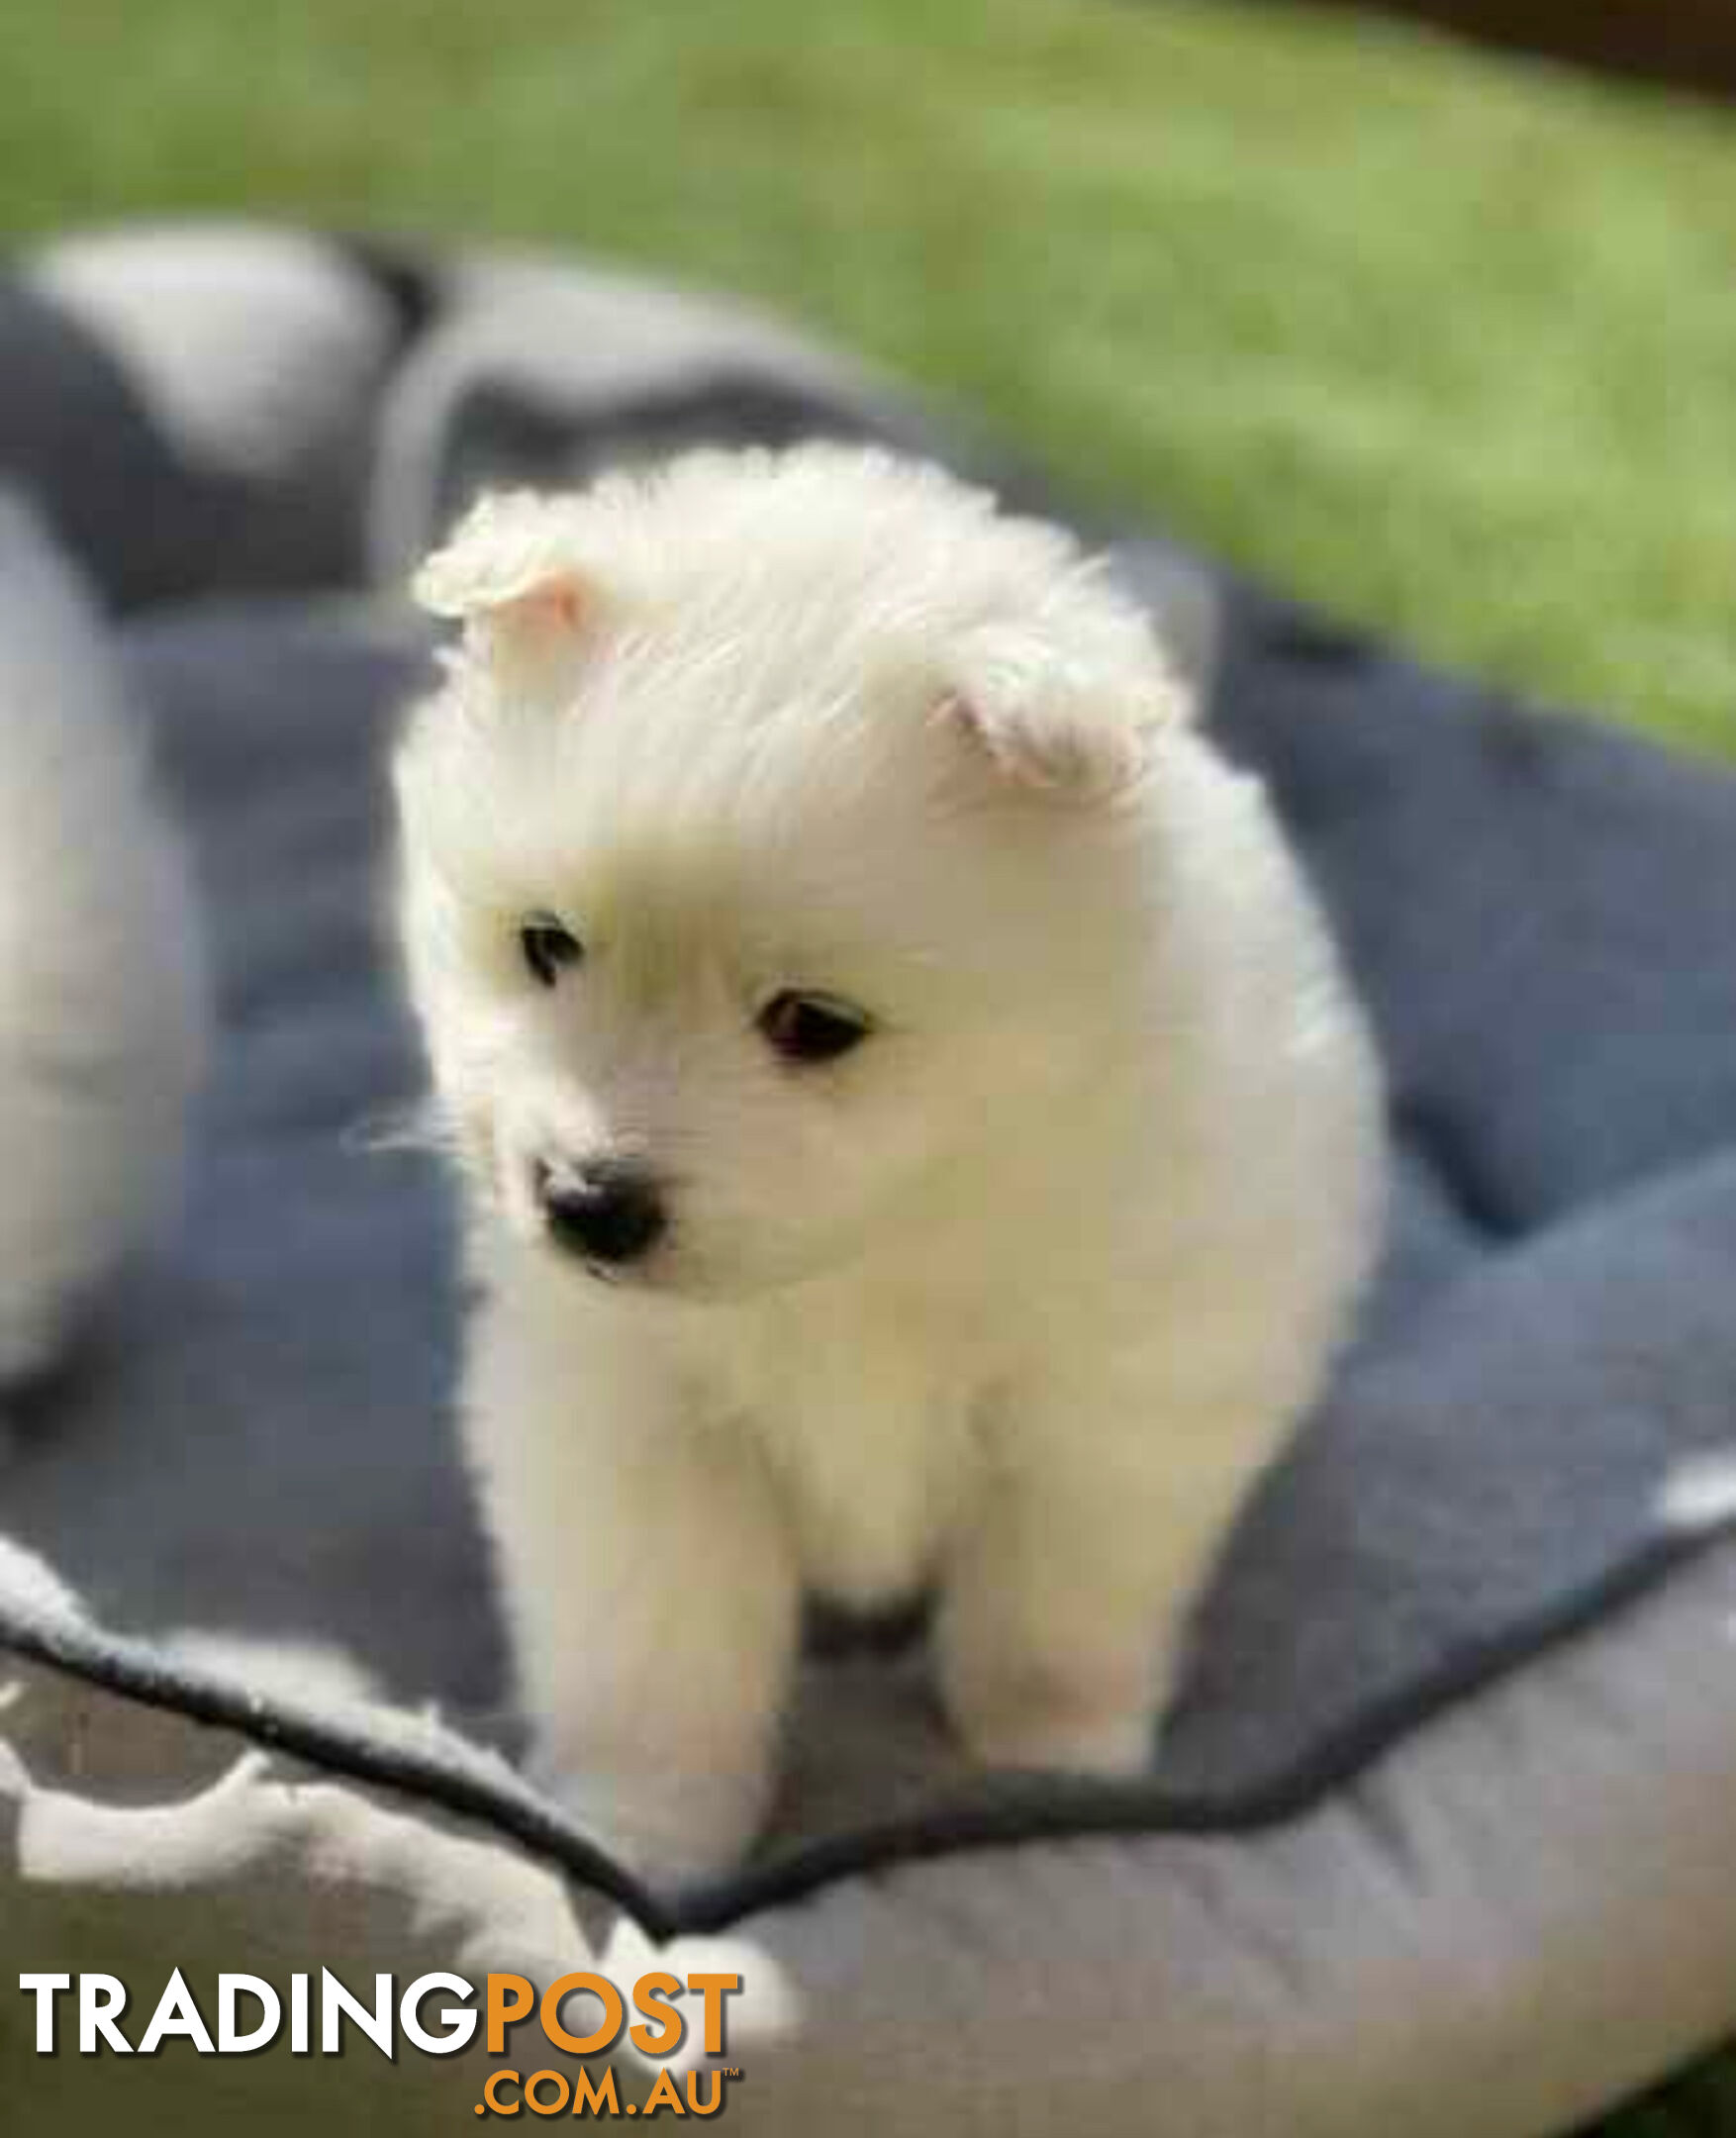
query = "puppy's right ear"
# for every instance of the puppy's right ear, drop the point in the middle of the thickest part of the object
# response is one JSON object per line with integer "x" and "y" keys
{"x": 1070, "y": 726}
{"x": 509, "y": 574}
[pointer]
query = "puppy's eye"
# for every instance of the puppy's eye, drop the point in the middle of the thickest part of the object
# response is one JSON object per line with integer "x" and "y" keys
{"x": 548, "y": 947}
{"x": 812, "y": 1028}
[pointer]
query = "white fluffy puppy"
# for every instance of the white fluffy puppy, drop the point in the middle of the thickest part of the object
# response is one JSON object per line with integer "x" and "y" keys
{"x": 920, "y": 1132}
{"x": 102, "y": 994}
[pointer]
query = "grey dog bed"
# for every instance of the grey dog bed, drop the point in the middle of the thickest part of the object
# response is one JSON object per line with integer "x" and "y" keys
{"x": 1441, "y": 1835}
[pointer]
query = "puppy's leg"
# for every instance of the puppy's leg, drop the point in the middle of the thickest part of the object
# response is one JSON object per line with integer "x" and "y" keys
{"x": 1064, "y": 1609}
{"x": 654, "y": 1603}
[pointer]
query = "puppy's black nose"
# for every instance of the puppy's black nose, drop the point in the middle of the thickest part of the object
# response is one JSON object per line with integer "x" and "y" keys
{"x": 610, "y": 1211}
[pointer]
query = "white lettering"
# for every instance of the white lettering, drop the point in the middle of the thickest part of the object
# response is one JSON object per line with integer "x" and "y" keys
{"x": 336, "y": 2004}
{"x": 460, "y": 2025}
{"x": 44, "y": 1987}
{"x": 177, "y": 2013}
{"x": 228, "y": 1989}
{"x": 101, "y": 2001}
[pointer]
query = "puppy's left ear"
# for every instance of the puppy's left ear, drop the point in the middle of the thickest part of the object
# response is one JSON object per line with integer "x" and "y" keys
{"x": 509, "y": 575}
{"x": 1075, "y": 727}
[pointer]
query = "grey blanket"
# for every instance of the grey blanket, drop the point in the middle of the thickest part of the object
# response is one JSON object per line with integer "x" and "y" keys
{"x": 255, "y": 1443}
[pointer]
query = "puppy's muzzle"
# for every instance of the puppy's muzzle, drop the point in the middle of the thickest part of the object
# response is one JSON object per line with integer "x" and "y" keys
{"x": 610, "y": 1211}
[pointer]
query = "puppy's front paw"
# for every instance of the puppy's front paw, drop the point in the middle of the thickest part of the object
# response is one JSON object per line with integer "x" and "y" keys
{"x": 1064, "y": 1737}
{"x": 1073, "y": 1713}
{"x": 670, "y": 1831}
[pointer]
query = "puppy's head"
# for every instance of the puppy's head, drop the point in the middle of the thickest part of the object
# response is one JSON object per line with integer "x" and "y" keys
{"x": 771, "y": 858}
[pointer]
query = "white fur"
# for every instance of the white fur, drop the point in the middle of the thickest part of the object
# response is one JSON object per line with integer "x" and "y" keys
{"x": 1017, "y": 1297}
{"x": 102, "y": 1004}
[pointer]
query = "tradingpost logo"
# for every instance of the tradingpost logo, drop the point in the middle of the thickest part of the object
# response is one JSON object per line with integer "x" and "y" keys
{"x": 251, "y": 2015}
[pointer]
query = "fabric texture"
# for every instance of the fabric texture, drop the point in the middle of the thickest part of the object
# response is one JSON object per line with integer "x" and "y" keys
{"x": 1442, "y": 1822}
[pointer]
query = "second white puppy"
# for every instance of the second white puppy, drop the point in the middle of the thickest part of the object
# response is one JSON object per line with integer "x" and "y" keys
{"x": 103, "y": 984}
{"x": 920, "y": 1132}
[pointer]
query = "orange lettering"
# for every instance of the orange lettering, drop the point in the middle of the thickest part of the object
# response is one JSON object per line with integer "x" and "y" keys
{"x": 651, "y": 1993}
{"x": 613, "y": 2012}
{"x": 510, "y": 1998}
{"x": 500, "y": 2107}
{"x": 663, "y": 2095}
{"x": 714, "y": 1988}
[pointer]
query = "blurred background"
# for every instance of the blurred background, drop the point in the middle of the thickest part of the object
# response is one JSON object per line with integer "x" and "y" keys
{"x": 1426, "y": 313}
{"x": 1440, "y": 335}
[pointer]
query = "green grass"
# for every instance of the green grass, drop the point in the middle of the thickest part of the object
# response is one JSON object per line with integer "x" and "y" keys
{"x": 1447, "y": 344}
